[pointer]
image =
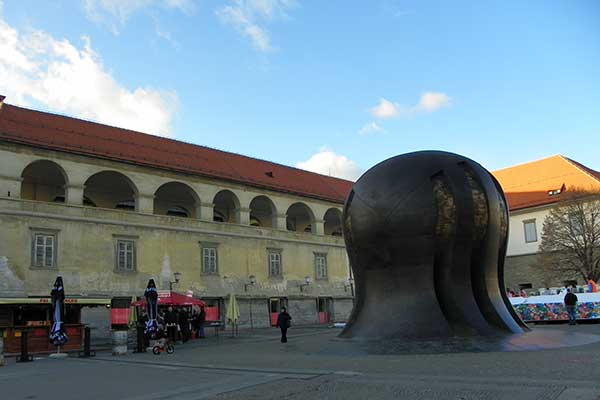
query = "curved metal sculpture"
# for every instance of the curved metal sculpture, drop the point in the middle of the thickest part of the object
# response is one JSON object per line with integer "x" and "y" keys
{"x": 426, "y": 235}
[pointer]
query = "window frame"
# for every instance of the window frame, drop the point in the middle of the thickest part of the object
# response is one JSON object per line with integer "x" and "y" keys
{"x": 318, "y": 276}
{"x": 207, "y": 246}
{"x": 279, "y": 252}
{"x": 35, "y": 232}
{"x": 123, "y": 238}
{"x": 528, "y": 222}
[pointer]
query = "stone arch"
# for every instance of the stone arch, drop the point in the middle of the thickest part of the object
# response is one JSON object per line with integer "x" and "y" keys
{"x": 300, "y": 218}
{"x": 263, "y": 212}
{"x": 176, "y": 199}
{"x": 332, "y": 221}
{"x": 226, "y": 207}
{"x": 44, "y": 180}
{"x": 110, "y": 189}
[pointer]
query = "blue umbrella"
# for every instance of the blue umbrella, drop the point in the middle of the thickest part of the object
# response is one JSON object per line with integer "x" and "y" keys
{"x": 58, "y": 336}
{"x": 151, "y": 296}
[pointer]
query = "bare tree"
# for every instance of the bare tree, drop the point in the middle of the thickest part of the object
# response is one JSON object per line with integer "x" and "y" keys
{"x": 571, "y": 235}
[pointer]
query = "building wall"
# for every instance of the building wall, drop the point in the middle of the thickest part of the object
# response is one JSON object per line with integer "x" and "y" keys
{"x": 526, "y": 269}
{"x": 86, "y": 238}
{"x": 516, "y": 235}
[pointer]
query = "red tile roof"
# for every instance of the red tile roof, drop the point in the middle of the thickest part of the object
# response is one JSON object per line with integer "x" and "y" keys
{"x": 56, "y": 132}
{"x": 528, "y": 185}
{"x": 525, "y": 185}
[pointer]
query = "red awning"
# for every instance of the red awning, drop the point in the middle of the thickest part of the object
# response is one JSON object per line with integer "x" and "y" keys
{"x": 166, "y": 298}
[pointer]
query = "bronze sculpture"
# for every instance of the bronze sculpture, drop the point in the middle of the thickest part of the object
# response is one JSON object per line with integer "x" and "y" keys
{"x": 426, "y": 235}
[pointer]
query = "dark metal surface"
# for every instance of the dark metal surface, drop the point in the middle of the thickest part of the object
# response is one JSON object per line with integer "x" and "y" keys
{"x": 426, "y": 235}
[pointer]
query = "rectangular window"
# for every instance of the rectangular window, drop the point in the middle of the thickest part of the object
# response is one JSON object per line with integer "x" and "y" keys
{"x": 275, "y": 269}
{"x": 530, "y": 231}
{"x": 44, "y": 250}
{"x": 209, "y": 260}
{"x": 321, "y": 266}
{"x": 125, "y": 256}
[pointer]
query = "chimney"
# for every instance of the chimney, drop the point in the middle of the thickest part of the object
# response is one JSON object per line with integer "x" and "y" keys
{"x": 2, "y": 101}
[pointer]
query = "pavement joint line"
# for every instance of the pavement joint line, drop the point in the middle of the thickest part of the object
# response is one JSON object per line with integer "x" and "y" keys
{"x": 506, "y": 380}
{"x": 191, "y": 391}
{"x": 211, "y": 367}
{"x": 258, "y": 339}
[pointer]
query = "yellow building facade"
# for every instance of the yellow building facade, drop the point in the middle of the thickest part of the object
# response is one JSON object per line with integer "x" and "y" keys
{"x": 107, "y": 225}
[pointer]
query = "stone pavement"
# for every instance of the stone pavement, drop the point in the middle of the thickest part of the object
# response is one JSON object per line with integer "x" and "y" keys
{"x": 311, "y": 366}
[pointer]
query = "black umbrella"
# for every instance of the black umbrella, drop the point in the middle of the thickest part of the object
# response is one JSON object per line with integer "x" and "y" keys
{"x": 58, "y": 336}
{"x": 151, "y": 295}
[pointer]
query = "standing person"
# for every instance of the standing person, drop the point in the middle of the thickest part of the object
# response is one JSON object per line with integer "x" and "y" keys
{"x": 194, "y": 323}
{"x": 142, "y": 322}
{"x": 201, "y": 320}
{"x": 283, "y": 322}
{"x": 571, "y": 305}
{"x": 592, "y": 287}
{"x": 184, "y": 325}
{"x": 171, "y": 324}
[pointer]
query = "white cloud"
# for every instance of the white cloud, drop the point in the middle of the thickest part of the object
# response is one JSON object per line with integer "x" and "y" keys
{"x": 37, "y": 69}
{"x": 428, "y": 102}
{"x": 370, "y": 128}
{"x": 327, "y": 162}
{"x": 248, "y": 17}
{"x": 431, "y": 101}
{"x": 114, "y": 13}
{"x": 385, "y": 109}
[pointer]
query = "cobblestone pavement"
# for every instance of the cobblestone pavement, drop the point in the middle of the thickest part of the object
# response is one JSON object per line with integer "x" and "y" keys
{"x": 255, "y": 365}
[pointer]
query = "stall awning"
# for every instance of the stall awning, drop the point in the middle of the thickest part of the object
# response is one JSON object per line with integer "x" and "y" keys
{"x": 167, "y": 298}
{"x": 47, "y": 300}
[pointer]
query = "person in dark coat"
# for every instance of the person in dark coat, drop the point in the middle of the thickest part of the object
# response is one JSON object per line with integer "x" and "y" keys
{"x": 142, "y": 322}
{"x": 571, "y": 306}
{"x": 184, "y": 324}
{"x": 284, "y": 322}
{"x": 171, "y": 324}
{"x": 201, "y": 320}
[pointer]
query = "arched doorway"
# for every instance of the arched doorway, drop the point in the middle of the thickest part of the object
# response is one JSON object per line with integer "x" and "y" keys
{"x": 176, "y": 199}
{"x": 110, "y": 189}
{"x": 300, "y": 218}
{"x": 226, "y": 206}
{"x": 263, "y": 212}
{"x": 333, "y": 222}
{"x": 43, "y": 180}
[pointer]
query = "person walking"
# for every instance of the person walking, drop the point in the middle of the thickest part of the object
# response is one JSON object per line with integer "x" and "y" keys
{"x": 571, "y": 306}
{"x": 284, "y": 322}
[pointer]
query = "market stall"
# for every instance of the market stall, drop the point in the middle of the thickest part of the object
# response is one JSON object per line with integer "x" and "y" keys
{"x": 167, "y": 298}
{"x": 34, "y": 316}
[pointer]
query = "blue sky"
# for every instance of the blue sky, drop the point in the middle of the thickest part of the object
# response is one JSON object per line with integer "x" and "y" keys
{"x": 332, "y": 86}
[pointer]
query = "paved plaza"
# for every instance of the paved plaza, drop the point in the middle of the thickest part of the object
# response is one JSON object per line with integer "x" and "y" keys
{"x": 313, "y": 365}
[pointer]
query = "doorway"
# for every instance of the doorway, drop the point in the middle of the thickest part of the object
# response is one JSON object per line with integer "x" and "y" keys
{"x": 324, "y": 309}
{"x": 275, "y": 304}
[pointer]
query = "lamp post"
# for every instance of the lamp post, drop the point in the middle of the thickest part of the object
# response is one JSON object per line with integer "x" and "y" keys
{"x": 350, "y": 285}
{"x": 251, "y": 282}
{"x": 307, "y": 282}
{"x": 177, "y": 276}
